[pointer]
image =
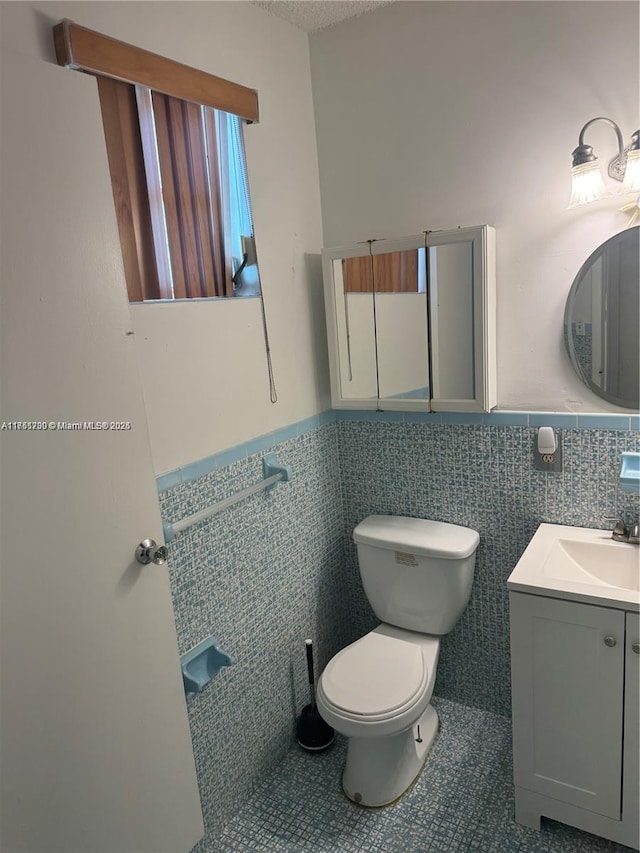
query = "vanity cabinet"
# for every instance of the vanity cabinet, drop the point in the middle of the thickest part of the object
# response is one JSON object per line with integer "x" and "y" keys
{"x": 575, "y": 681}
{"x": 411, "y": 322}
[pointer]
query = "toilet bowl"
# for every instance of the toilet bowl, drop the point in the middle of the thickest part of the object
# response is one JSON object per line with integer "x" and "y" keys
{"x": 377, "y": 692}
{"x": 417, "y": 575}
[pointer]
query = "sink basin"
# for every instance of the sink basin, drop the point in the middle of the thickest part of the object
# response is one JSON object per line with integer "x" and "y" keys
{"x": 614, "y": 564}
{"x": 579, "y": 564}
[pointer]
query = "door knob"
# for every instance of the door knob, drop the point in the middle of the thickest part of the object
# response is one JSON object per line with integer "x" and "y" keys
{"x": 610, "y": 641}
{"x": 150, "y": 552}
{"x": 636, "y": 648}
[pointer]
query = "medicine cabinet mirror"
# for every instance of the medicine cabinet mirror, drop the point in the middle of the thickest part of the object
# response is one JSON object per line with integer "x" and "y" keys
{"x": 601, "y": 320}
{"x": 411, "y": 322}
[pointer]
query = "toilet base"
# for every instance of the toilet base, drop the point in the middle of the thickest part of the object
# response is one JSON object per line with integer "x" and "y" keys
{"x": 379, "y": 770}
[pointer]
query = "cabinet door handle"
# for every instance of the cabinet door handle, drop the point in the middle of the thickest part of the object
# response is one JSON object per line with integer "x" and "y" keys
{"x": 636, "y": 648}
{"x": 610, "y": 641}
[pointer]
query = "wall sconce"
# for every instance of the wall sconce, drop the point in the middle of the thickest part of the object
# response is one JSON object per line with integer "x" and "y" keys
{"x": 587, "y": 183}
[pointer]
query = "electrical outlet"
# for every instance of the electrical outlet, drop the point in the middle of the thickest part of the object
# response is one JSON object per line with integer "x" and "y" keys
{"x": 550, "y": 462}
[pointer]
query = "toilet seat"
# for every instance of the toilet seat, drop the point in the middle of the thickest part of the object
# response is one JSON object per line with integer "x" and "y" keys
{"x": 375, "y": 678}
{"x": 362, "y": 692}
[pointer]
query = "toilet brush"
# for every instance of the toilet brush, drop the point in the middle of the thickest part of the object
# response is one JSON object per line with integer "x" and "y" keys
{"x": 312, "y": 733}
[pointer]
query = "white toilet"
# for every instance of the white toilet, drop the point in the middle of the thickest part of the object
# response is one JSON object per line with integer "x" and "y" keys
{"x": 417, "y": 575}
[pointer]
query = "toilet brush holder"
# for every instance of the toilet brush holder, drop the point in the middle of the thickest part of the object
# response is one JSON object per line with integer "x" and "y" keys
{"x": 312, "y": 733}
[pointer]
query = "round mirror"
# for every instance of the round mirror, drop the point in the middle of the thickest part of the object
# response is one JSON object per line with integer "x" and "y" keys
{"x": 601, "y": 320}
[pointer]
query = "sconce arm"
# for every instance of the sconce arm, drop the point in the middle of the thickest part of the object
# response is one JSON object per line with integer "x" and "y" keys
{"x": 584, "y": 153}
{"x": 608, "y": 121}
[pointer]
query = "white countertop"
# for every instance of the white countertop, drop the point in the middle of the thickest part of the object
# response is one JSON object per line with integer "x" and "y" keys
{"x": 579, "y": 564}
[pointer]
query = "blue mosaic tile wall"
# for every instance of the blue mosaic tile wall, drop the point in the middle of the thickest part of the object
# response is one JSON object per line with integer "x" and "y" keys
{"x": 281, "y": 566}
{"x": 260, "y": 577}
{"x": 480, "y": 476}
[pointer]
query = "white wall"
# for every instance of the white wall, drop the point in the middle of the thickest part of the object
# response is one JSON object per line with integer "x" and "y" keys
{"x": 203, "y": 365}
{"x": 426, "y": 114}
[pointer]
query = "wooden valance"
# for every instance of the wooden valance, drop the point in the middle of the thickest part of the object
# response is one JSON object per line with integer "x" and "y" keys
{"x": 89, "y": 51}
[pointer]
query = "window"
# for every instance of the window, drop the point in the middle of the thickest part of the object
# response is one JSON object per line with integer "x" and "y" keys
{"x": 178, "y": 173}
{"x": 180, "y": 189}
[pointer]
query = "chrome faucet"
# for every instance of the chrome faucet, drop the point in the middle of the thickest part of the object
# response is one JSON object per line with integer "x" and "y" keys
{"x": 621, "y": 533}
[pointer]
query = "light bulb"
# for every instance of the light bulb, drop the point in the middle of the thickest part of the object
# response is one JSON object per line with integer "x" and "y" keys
{"x": 631, "y": 182}
{"x": 586, "y": 185}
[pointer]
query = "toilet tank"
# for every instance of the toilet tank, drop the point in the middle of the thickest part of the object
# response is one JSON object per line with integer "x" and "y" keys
{"x": 417, "y": 574}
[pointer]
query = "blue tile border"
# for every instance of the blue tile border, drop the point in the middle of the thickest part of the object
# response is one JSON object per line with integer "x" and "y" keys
{"x": 463, "y": 418}
{"x": 422, "y": 417}
{"x": 502, "y": 418}
{"x": 507, "y": 419}
{"x": 603, "y": 421}
{"x": 167, "y": 481}
{"x": 555, "y": 419}
{"x": 360, "y": 415}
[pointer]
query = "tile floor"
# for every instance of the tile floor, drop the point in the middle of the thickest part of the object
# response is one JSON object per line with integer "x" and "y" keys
{"x": 463, "y": 801}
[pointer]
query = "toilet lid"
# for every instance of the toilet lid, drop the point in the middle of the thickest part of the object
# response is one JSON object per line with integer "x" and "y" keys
{"x": 375, "y": 676}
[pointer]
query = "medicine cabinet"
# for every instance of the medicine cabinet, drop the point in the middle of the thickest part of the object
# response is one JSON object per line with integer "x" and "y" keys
{"x": 411, "y": 322}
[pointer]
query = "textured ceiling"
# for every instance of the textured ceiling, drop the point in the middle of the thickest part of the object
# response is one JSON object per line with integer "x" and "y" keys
{"x": 312, "y": 15}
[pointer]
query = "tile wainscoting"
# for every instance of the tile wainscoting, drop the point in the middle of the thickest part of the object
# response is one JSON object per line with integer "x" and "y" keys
{"x": 281, "y": 566}
{"x": 260, "y": 577}
{"x": 482, "y": 477}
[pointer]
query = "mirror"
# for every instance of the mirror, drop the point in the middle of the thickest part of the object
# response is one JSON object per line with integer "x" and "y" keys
{"x": 401, "y": 320}
{"x": 382, "y": 321}
{"x": 451, "y": 286}
{"x": 353, "y": 281}
{"x": 411, "y": 322}
{"x": 601, "y": 320}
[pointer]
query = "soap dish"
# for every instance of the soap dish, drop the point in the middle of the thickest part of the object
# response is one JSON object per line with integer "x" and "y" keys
{"x": 201, "y": 665}
{"x": 630, "y": 473}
